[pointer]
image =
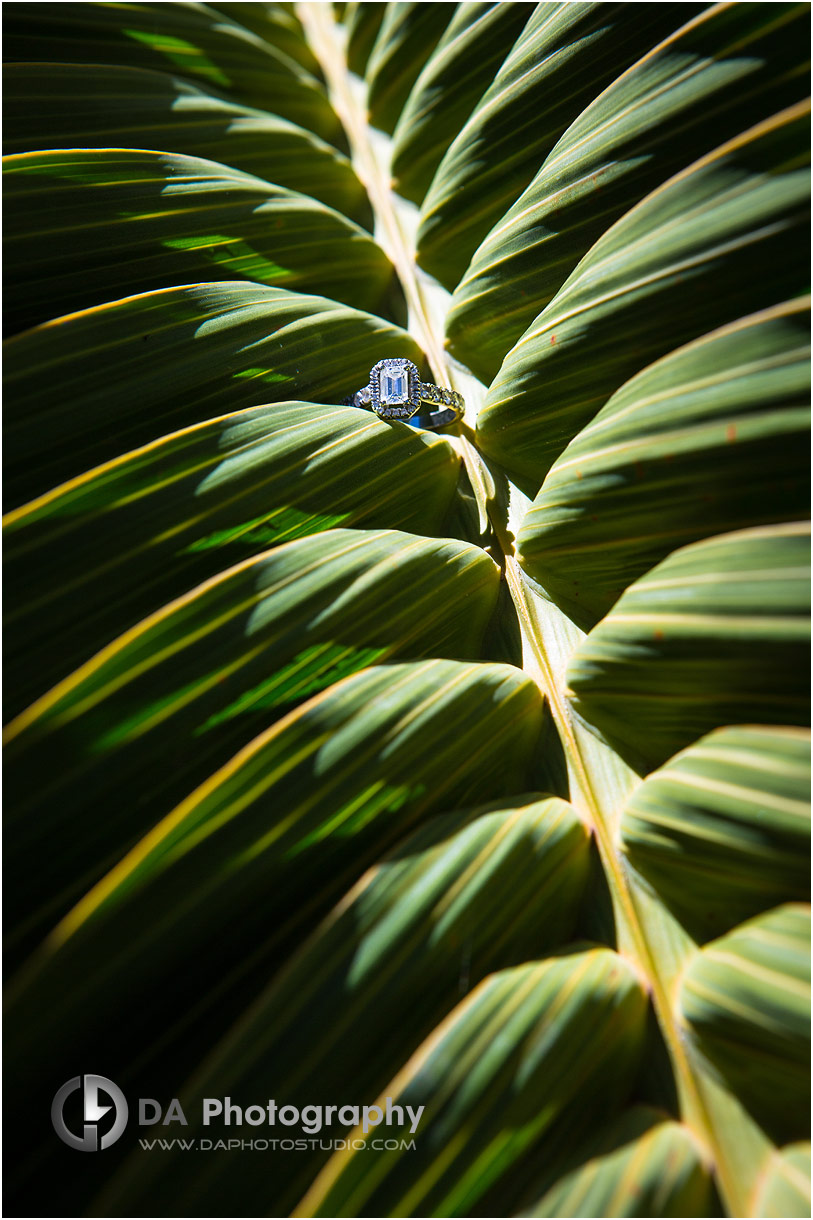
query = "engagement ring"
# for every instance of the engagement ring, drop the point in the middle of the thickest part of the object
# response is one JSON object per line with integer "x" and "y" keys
{"x": 395, "y": 391}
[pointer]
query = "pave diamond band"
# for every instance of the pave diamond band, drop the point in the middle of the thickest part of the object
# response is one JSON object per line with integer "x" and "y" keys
{"x": 395, "y": 391}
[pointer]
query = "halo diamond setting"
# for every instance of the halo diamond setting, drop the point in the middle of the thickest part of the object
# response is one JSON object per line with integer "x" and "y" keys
{"x": 395, "y": 388}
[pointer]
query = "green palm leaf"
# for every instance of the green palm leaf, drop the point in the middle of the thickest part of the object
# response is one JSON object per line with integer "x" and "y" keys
{"x": 505, "y": 1070}
{"x": 721, "y": 830}
{"x": 562, "y": 59}
{"x": 456, "y": 899}
{"x": 707, "y": 420}
{"x": 212, "y": 669}
{"x": 187, "y": 353}
{"x": 405, "y": 39}
{"x": 98, "y": 106}
{"x": 746, "y": 998}
{"x": 686, "y": 251}
{"x": 131, "y": 222}
{"x": 362, "y": 22}
{"x": 196, "y": 40}
{"x": 642, "y": 1164}
{"x": 189, "y": 502}
{"x": 344, "y": 776}
{"x": 697, "y": 88}
{"x": 347, "y": 760}
{"x": 786, "y": 1189}
{"x": 699, "y": 642}
{"x": 475, "y": 42}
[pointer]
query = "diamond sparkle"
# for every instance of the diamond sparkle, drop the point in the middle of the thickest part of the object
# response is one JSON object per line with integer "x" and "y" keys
{"x": 393, "y": 385}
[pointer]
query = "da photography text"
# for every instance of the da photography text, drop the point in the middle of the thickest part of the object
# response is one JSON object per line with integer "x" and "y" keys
{"x": 312, "y": 1119}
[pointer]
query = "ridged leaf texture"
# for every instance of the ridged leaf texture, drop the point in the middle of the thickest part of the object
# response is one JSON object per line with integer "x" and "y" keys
{"x": 350, "y": 763}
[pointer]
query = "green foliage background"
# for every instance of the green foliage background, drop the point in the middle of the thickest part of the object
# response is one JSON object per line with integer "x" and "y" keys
{"x": 347, "y": 760}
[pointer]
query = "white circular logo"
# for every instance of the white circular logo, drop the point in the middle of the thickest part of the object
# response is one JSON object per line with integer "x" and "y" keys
{"x": 93, "y": 1110}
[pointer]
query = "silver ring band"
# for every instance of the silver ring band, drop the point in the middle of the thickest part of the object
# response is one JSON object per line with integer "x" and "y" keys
{"x": 395, "y": 391}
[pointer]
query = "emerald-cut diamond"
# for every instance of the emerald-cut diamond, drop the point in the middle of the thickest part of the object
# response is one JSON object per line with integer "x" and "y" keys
{"x": 393, "y": 385}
